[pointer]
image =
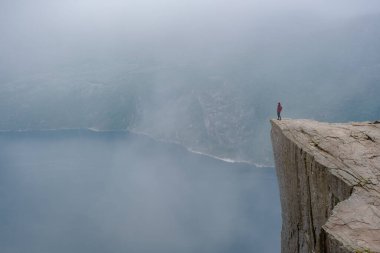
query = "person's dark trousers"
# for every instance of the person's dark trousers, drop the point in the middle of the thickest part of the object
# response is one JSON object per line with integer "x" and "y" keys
{"x": 279, "y": 115}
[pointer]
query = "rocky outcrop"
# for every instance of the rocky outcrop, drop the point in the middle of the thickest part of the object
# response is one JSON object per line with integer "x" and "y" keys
{"x": 329, "y": 180}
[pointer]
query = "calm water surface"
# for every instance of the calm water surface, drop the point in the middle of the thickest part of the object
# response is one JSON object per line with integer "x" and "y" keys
{"x": 81, "y": 191}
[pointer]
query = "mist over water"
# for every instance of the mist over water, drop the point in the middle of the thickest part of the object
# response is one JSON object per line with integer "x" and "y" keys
{"x": 81, "y": 191}
{"x": 207, "y": 74}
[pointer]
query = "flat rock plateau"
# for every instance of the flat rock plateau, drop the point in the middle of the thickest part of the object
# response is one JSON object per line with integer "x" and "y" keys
{"x": 329, "y": 180}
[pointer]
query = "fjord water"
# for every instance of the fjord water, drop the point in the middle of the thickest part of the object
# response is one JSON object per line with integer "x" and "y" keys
{"x": 84, "y": 191}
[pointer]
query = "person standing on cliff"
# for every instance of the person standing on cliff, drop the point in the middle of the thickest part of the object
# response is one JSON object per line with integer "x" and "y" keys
{"x": 279, "y": 109}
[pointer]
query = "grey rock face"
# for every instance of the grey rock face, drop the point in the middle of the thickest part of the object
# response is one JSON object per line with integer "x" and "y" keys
{"x": 329, "y": 179}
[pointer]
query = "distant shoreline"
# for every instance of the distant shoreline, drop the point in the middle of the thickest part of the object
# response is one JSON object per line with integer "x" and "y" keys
{"x": 224, "y": 159}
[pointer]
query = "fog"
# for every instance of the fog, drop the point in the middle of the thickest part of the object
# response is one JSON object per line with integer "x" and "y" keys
{"x": 54, "y": 32}
{"x": 206, "y": 75}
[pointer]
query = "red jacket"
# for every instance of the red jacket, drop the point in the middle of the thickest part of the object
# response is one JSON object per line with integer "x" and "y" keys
{"x": 279, "y": 108}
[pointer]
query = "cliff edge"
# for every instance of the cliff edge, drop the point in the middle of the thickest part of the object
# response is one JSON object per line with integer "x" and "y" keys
{"x": 329, "y": 180}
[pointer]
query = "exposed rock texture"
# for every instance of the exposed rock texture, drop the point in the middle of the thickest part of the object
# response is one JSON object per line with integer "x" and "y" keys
{"x": 329, "y": 178}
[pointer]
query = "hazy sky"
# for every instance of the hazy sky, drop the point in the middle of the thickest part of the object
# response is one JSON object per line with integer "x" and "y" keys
{"x": 50, "y": 31}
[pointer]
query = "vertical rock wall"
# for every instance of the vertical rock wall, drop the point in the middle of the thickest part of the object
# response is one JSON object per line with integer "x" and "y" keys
{"x": 309, "y": 186}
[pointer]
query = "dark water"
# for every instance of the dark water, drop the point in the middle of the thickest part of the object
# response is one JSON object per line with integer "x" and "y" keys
{"x": 81, "y": 191}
